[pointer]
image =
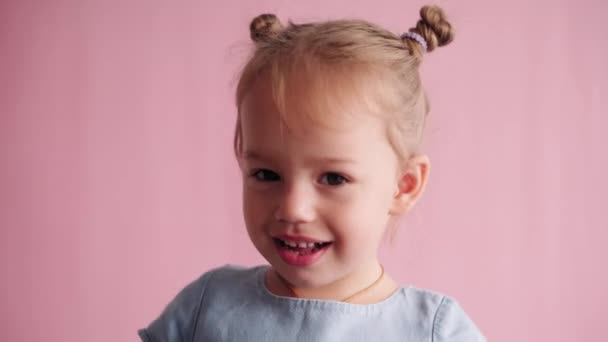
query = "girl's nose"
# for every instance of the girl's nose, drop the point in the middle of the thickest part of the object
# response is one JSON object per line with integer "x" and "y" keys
{"x": 296, "y": 205}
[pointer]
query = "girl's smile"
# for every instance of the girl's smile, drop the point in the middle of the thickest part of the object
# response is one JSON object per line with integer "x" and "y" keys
{"x": 300, "y": 250}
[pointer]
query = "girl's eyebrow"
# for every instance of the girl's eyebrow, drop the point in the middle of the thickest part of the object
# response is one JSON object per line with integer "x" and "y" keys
{"x": 330, "y": 160}
{"x": 319, "y": 160}
{"x": 252, "y": 155}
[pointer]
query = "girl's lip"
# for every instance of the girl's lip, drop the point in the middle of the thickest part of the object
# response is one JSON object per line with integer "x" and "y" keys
{"x": 298, "y": 238}
{"x": 295, "y": 258}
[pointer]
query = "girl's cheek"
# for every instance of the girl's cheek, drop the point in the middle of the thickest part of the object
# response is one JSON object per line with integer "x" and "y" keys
{"x": 345, "y": 194}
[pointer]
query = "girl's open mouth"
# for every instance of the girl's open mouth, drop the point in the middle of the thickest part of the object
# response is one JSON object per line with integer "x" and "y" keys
{"x": 301, "y": 253}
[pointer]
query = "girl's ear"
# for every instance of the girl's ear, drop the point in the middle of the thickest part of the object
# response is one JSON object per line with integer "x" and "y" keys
{"x": 410, "y": 184}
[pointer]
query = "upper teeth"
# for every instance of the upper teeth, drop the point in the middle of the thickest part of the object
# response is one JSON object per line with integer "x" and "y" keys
{"x": 299, "y": 244}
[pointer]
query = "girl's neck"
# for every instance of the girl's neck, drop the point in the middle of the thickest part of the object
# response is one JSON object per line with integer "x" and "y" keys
{"x": 356, "y": 291}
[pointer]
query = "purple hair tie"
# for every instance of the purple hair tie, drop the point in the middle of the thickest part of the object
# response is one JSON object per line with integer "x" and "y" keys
{"x": 415, "y": 36}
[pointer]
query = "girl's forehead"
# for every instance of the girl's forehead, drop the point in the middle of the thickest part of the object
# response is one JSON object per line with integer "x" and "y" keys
{"x": 310, "y": 121}
{"x": 301, "y": 108}
{"x": 265, "y": 134}
{"x": 260, "y": 114}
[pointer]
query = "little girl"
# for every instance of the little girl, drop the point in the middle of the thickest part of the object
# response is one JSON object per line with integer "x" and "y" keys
{"x": 330, "y": 117}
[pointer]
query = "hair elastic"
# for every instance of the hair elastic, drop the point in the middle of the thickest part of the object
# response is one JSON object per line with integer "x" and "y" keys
{"x": 415, "y": 36}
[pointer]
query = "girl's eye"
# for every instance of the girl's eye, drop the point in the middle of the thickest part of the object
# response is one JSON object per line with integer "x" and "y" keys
{"x": 333, "y": 179}
{"x": 263, "y": 175}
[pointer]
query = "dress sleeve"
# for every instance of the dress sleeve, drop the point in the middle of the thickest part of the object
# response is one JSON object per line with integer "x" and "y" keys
{"x": 177, "y": 321}
{"x": 452, "y": 324}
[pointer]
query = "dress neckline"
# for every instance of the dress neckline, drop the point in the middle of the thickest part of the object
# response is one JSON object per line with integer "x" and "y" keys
{"x": 400, "y": 292}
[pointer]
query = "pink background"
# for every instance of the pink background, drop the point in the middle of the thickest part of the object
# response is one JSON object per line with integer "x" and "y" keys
{"x": 118, "y": 185}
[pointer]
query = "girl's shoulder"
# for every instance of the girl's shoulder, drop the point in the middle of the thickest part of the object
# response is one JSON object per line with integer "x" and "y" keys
{"x": 178, "y": 319}
{"x": 448, "y": 320}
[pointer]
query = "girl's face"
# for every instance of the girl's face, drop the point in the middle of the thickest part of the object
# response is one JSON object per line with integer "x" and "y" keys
{"x": 316, "y": 199}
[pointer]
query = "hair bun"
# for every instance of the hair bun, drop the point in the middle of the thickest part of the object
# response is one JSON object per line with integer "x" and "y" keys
{"x": 264, "y": 27}
{"x": 434, "y": 27}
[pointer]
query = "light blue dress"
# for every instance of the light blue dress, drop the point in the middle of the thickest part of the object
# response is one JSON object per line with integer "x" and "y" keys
{"x": 232, "y": 304}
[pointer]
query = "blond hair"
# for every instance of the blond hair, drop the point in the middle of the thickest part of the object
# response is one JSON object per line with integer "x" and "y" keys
{"x": 341, "y": 62}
